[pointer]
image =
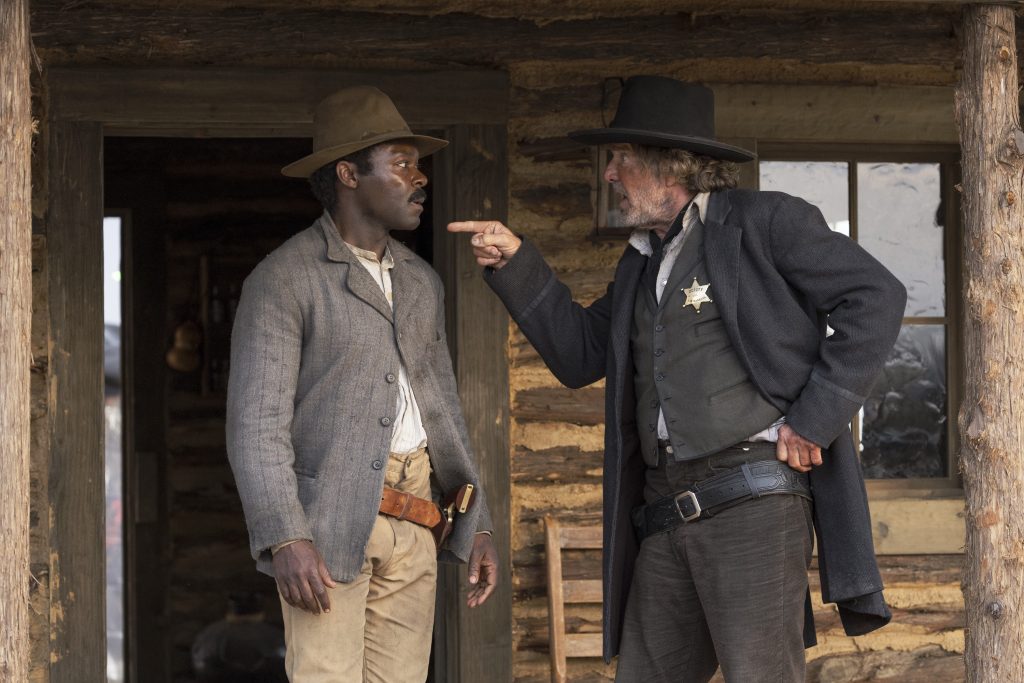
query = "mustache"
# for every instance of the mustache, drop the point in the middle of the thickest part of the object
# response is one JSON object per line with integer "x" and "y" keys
{"x": 419, "y": 195}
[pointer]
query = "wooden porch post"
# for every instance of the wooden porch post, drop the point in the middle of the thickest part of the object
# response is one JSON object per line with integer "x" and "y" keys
{"x": 992, "y": 413}
{"x": 15, "y": 327}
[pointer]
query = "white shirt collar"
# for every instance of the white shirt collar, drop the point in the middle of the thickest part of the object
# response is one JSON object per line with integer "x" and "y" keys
{"x": 387, "y": 262}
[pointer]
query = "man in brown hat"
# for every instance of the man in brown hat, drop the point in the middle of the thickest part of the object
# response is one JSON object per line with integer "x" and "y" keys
{"x": 343, "y": 410}
{"x": 726, "y": 403}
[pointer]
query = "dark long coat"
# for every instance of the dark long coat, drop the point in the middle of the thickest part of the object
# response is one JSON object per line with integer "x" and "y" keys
{"x": 778, "y": 274}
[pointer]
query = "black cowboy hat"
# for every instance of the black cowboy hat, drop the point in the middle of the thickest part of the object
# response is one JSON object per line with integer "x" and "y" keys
{"x": 664, "y": 112}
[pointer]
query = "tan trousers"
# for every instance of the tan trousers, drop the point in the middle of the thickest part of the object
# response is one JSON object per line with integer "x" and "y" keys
{"x": 380, "y": 625}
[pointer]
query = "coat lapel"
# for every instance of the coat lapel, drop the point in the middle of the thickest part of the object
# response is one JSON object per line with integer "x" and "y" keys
{"x": 359, "y": 282}
{"x": 627, "y": 283}
{"x": 722, "y": 257}
{"x": 407, "y": 283}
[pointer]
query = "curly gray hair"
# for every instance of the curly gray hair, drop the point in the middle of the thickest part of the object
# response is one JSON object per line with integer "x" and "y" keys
{"x": 696, "y": 172}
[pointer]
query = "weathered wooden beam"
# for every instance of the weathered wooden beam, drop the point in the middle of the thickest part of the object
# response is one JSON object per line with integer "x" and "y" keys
{"x": 15, "y": 328}
{"x": 203, "y": 102}
{"x": 76, "y": 485}
{"x": 544, "y": 12}
{"x": 39, "y": 468}
{"x": 98, "y": 33}
{"x": 576, "y": 406}
{"x": 917, "y": 525}
{"x": 476, "y": 645}
{"x": 990, "y": 419}
{"x": 560, "y": 465}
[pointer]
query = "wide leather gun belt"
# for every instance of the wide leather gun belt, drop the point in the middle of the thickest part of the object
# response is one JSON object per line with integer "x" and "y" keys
{"x": 427, "y": 513}
{"x": 722, "y": 491}
{"x": 401, "y": 505}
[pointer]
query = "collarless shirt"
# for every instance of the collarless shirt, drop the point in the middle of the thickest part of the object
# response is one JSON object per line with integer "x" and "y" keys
{"x": 408, "y": 435}
{"x": 640, "y": 240}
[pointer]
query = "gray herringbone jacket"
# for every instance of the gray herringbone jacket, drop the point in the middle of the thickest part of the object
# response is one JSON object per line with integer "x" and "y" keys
{"x": 315, "y": 351}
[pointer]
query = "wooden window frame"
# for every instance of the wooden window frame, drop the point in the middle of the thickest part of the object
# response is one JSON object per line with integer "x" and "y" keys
{"x": 913, "y": 515}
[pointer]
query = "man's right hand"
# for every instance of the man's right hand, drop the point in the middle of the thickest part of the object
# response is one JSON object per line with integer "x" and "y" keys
{"x": 302, "y": 577}
{"x": 493, "y": 243}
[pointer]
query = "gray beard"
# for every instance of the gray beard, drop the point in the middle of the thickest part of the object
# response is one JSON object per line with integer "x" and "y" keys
{"x": 649, "y": 217}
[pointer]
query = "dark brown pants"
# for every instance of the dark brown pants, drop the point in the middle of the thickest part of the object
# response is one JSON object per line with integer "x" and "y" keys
{"x": 726, "y": 591}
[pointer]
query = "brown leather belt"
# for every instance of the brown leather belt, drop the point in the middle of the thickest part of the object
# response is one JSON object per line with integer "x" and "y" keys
{"x": 426, "y": 513}
{"x": 401, "y": 505}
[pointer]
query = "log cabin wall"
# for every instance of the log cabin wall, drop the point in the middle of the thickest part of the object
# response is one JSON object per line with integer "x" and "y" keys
{"x": 823, "y": 71}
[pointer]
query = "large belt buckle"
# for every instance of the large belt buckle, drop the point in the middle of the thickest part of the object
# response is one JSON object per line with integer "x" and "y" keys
{"x": 696, "y": 506}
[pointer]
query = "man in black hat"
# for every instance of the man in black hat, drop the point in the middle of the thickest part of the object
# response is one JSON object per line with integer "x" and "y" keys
{"x": 727, "y": 405}
{"x": 342, "y": 412}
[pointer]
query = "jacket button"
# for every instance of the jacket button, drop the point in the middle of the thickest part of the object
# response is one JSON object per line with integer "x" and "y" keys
{"x": 389, "y": 378}
{"x": 377, "y": 464}
{"x": 654, "y": 404}
{"x": 385, "y": 421}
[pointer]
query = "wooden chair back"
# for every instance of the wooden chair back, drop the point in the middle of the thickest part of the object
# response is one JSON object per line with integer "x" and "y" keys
{"x": 558, "y": 537}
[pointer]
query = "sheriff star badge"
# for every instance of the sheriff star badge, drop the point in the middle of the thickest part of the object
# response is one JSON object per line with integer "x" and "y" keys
{"x": 697, "y": 294}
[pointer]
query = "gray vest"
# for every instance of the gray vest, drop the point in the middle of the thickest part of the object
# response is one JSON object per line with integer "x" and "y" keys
{"x": 685, "y": 364}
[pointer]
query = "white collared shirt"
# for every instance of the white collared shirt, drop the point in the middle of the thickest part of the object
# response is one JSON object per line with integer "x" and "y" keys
{"x": 640, "y": 241}
{"x": 408, "y": 434}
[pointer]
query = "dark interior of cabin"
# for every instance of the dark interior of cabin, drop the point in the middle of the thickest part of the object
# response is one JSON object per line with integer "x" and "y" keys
{"x": 196, "y": 215}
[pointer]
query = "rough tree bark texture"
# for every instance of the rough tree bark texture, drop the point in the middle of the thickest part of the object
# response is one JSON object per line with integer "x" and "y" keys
{"x": 992, "y": 413}
{"x": 15, "y": 324}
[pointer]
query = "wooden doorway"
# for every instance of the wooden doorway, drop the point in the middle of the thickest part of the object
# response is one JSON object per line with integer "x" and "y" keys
{"x": 89, "y": 105}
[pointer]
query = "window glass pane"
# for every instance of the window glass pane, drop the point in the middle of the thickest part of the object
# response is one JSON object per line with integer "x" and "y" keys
{"x": 113, "y": 417}
{"x": 904, "y": 420}
{"x": 822, "y": 183}
{"x": 899, "y": 221}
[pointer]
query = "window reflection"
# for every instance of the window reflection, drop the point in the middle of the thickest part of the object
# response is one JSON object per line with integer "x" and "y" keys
{"x": 826, "y": 184}
{"x": 904, "y": 433}
{"x": 899, "y": 221}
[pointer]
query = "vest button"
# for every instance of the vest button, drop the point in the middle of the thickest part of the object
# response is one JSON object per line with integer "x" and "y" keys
{"x": 389, "y": 378}
{"x": 385, "y": 421}
{"x": 377, "y": 464}
{"x": 659, "y": 328}
{"x": 658, "y": 352}
{"x": 660, "y": 376}
{"x": 654, "y": 404}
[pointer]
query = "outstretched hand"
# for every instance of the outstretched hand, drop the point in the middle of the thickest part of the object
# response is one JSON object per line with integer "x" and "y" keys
{"x": 483, "y": 570}
{"x": 797, "y": 451}
{"x": 493, "y": 243}
{"x": 302, "y": 577}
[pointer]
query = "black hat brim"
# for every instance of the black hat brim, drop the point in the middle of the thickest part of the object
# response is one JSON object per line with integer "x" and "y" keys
{"x": 711, "y": 148}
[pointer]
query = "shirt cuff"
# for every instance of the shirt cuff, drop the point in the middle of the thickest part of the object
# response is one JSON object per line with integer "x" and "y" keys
{"x": 274, "y": 548}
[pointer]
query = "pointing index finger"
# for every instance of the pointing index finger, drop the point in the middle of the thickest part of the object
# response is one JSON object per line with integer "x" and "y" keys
{"x": 471, "y": 226}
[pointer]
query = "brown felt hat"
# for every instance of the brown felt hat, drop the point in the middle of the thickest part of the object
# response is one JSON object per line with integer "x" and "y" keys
{"x": 353, "y": 119}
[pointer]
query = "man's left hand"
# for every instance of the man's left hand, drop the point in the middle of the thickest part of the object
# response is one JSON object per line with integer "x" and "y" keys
{"x": 797, "y": 451}
{"x": 483, "y": 570}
